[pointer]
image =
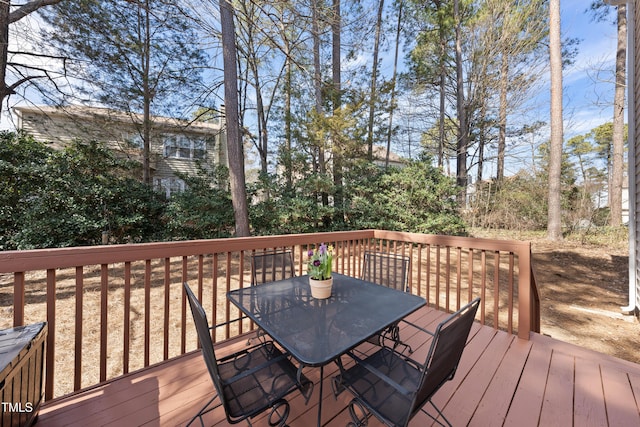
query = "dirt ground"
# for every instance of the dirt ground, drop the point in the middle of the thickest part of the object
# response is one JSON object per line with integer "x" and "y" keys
{"x": 582, "y": 290}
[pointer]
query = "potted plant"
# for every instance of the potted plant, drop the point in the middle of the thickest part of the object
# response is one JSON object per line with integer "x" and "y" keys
{"x": 319, "y": 270}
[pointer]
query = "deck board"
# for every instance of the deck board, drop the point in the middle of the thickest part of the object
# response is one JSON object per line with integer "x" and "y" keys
{"x": 501, "y": 380}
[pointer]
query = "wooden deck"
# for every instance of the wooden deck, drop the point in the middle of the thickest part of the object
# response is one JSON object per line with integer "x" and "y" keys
{"x": 502, "y": 380}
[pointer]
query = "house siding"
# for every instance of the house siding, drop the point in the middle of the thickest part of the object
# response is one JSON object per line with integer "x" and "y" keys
{"x": 116, "y": 130}
{"x": 633, "y": 14}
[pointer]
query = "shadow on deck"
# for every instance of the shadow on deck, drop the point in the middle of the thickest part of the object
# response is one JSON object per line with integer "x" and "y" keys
{"x": 501, "y": 380}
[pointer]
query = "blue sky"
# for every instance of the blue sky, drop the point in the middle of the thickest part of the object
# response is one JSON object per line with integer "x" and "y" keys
{"x": 587, "y": 83}
{"x": 588, "y": 93}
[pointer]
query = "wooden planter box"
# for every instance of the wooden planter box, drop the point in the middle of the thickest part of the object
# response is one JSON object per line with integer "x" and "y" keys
{"x": 21, "y": 373}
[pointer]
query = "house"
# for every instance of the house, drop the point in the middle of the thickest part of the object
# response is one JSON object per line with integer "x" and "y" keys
{"x": 176, "y": 146}
{"x": 380, "y": 157}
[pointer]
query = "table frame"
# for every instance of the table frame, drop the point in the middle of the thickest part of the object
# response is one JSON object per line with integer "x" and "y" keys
{"x": 310, "y": 329}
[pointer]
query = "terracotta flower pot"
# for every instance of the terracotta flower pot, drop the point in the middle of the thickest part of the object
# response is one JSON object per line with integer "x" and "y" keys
{"x": 321, "y": 289}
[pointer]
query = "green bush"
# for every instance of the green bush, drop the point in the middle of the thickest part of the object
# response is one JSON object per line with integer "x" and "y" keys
{"x": 203, "y": 211}
{"x": 69, "y": 197}
{"x": 417, "y": 198}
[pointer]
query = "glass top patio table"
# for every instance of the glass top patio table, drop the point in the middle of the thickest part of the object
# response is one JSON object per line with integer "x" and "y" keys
{"x": 318, "y": 331}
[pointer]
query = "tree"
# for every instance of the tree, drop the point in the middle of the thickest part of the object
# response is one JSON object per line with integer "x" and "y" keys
{"x": 374, "y": 80}
{"x": 463, "y": 130}
{"x": 336, "y": 72}
{"x": 554, "y": 225}
{"x": 234, "y": 134}
{"x": 19, "y": 72}
{"x": 430, "y": 60}
{"x": 601, "y": 11}
{"x": 618, "y": 120}
{"x": 135, "y": 56}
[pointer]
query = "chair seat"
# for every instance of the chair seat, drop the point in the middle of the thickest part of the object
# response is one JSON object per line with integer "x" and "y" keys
{"x": 263, "y": 382}
{"x": 379, "y": 395}
{"x": 394, "y": 387}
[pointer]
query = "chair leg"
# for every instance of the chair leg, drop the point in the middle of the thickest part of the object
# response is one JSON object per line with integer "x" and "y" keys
{"x": 440, "y": 414}
{"x": 358, "y": 420}
{"x": 203, "y": 411}
{"x": 281, "y": 420}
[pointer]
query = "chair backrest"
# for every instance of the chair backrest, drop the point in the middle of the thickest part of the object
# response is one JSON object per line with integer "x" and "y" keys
{"x": 204, "y": 336}
{"x": 386, "y": 269}
{"x": 269, "y": 266}
{"x": 445, "y": 352}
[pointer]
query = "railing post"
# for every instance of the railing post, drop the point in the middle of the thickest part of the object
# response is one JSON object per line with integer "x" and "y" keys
{"x": 18, "y": 299}
{"x": 524, "y": 293}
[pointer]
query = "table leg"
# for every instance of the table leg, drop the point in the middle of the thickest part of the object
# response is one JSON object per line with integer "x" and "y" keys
{"x": 320, "y": 397}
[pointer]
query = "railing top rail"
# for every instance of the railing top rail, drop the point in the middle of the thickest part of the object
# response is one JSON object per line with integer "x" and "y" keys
{"x": 516, "y": 246}
{"x": 40, "y": 259}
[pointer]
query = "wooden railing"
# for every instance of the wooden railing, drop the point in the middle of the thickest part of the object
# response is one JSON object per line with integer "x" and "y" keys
{"x": 115, "y": 309}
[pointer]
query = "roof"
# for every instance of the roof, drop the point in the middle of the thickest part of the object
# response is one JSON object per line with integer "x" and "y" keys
{"x": 380, "y": 153}
{"x": 93, "y": 113}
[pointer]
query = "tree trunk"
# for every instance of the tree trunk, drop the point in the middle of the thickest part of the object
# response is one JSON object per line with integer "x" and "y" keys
{"x": 554, "y": 224}
{"x": 317, "y": 81}
{"x": 482, "y": 128}
{"x": 618, "y": 120}
{"x": 146, "y": 61}
{"x": 234, "y": 136}
{"x": 394, "y": 79}
{"x": 336, "y": 28}
{"x": 4, "y": 49}
{"x": 288, "y": 167}
{"x": 502, "y": 115}
{"x": 463, "y": 134}
{"x": 374, "y": 82}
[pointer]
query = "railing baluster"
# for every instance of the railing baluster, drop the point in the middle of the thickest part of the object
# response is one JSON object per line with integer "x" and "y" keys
{"x": 214, "y": 294}
{"x": 147, "y": 311}
{"x": 510, "y": 292}
{"x": 470, "y": 262}
{"x": 483, "y": 284}
{"x": 227, "y": 303}
{"x": 437, "y": 277}
{"x": 496, "y": 289}
{"x": 51, "y": 334}
{"x": 167, "y": 300}
{"x": 104, "y": 326}
{"x": 127, "y": 318}
{"x": 448, "y": 280}
{"x": 458, "y": 277}
{"x": 419, "y": 267}
{"x": 18, "y": 298}
{"x": 77, "y": 365}
{"x": 428, "y": 273}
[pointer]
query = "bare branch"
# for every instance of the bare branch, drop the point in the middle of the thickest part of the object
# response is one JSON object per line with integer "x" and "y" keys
{"x": 28, "y": 8}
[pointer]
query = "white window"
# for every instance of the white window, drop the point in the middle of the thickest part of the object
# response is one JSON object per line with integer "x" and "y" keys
{"x": 170, "y": 185}
{"x": 135, "y": 141}
{"x": 199, "y": 148}
{"x": 181, "y": 147}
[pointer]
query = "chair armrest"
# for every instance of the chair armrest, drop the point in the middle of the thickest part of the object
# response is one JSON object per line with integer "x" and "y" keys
{"x": 382, "y": 376}
{"x": 418, "y": 327}
{"x": 277, "y": 359}
{"x": 229, "y": 322}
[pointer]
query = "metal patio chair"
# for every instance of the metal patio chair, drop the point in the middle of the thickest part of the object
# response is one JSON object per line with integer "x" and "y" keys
{"x": 271, "y": 265}
{"x": 250, "y": 381}
{"x": 394, "y": 387}
{"x": 392, "y": 271}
